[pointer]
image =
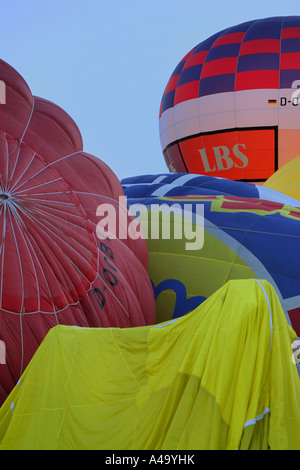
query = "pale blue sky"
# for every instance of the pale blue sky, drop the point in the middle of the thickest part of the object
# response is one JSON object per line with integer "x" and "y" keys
{"x": 107, "y": 62}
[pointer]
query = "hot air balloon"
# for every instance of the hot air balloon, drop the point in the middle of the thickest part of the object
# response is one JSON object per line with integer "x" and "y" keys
{"x": 231, "y": 107}
{"x": 286, "y": 180}
{"x": 174, "y": 184}
{"x": 58, "y": 264}
{"x": 219, "y": 378}
{"x": 239, "y": 236}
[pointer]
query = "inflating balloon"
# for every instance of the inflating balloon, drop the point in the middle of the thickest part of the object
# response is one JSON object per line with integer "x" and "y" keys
{"x": 219, "y": 378}
{"x": 287, "y": 179}
{"x": 243, "y": 236}
{"x": 57, "y": 265}
{"x": 231, "y": 107}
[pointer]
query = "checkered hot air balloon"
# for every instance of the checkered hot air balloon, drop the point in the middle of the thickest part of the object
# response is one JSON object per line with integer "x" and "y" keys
{"x": 231, "y": 107}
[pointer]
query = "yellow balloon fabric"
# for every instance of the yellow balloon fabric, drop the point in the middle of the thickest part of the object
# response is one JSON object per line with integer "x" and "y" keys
{"x": 209, "y": 267}
{"x": 286, "y": 180}
{"x": 221, "y": 377}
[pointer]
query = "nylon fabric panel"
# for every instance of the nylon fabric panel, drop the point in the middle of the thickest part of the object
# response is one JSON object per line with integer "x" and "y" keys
{"x": 58, "y": 264}
{"x": 194, "y": 383}
{"x": 244, "y": 231}
{"x": 286, "y": 180}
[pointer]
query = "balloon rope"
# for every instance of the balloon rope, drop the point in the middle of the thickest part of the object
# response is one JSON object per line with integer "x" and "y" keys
{"x": 2, "y": 250}
{"x": 12, "y": 187}
{"x": 47, "y": 166}
{"x": 23, "y": 232}
{"x": 38, "y": 186}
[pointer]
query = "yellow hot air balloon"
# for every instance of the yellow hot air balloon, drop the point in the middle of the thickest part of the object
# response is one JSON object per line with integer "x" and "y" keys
{"x": 287, "y": 179}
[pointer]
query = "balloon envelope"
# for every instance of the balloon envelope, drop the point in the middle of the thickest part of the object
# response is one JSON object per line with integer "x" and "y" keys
{"x": 175, "y": 184}
{"x": 219, "y": 378}
{"x": 231, "y": 106}
{"x": 57, "y": 264}
{"x": 237, "y": 237}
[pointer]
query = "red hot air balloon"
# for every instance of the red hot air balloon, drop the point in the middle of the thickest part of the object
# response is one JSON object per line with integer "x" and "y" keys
{"x": 55, "y": 268}
{"x": 231, "y": 107}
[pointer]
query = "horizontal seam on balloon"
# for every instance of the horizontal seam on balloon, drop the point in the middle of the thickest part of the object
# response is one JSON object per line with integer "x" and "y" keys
{"x": 71, "y": 406}
{"x": 69, "y": 305}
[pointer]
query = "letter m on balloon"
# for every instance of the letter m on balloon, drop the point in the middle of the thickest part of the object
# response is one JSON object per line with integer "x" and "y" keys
{"x": 2, "y": 92}
{"x": 2, "y": 352}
